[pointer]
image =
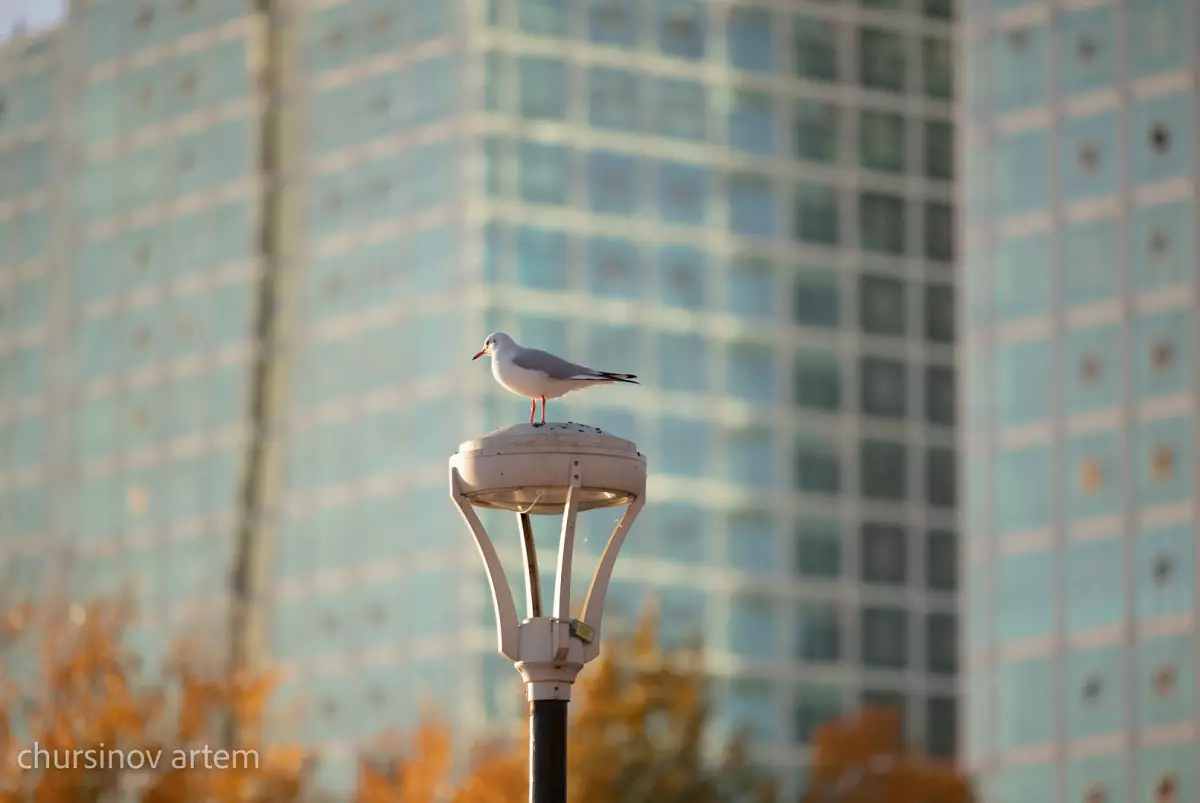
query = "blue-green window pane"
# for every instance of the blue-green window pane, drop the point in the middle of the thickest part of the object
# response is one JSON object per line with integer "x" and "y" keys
{"x": 750, "y": 44}
{"x": 614, "y": 268}
{"x": 750, "y": 373}
{"x": 1096, "y": 461}
{"x": 753, "y": 622}
{"x": 1091, "y": 262}
{"x": 817, "y": 300}
{"x": 541, "y": 258}
{"x": 1024, "y": 490}
{"x": 1020, "y": 172}
{"x": 615, "y": 99}
{"x": 1165, "y": 571}
{"x": 1162, "y": 355}
{"x": 1025, "y": 782}
{"x": 818, "y": 632}
{"x": 818, "y": 548}
{"x": 543, "y": 87}
{"x": 816, "y": 131}
{"x": 544, "y": 17}
{"x": 1092, "y": 565}
{"x": 544, "y": 173}
{"x": 814, "y": 45}
{"x": 682, "y": 193}
{"x": 683, "y": 362}
{"x": 681, "y": 276}
{"x": 750, "y": 289}
{"x": 682, "y": 28}
{"x": 1162, "y": 245}
{"x": 1157, "y": 31}
{"x": 1025, "y": 704}
{"x": 817, "y": 380}
{"x": 816, "y": 214}
{"x": 1171, "y": 699}
{"x": 1089, "y": 165}
{"x": 1088, "y": 41}
{"x": 613, "y": 183}
{"x": 1019, "y": 66}
{"x": 751, "y": 458}
{"x": 752, "y": 545}
{"x": 1096, "y": 692}
{"x": 883, "y": 470}
{"x": 1022, "y": 277}
{"x": 1165, "y": 461}
{"x": 613, "y": 22}
{"x": 1092, "y": 380}
{"x": 752, "y": 207}
{"x": 882, "y": 59}
{"x": 1023, "y": 383}
{"x": 818, "y": 467}
{"x": 684, "y": 447}
{"x": 540, "y": 331}
{"x": 1161, "y": 137}
{"x": 752, "y": 122}
{"x": 682, "y": 109}
{"x": 613, "y": 344}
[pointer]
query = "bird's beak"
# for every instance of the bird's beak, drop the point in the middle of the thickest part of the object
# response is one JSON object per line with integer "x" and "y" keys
{"x": 480, "y": 354}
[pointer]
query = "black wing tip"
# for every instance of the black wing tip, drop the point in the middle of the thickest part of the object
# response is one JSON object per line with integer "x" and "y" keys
{"x": 630, "y": 378}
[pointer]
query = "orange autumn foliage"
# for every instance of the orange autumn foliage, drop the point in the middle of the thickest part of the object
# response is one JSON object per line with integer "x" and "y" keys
{"x": 637, "y": 734}
{"x": 69, "y": 684}
{"x": 864, "y": 758}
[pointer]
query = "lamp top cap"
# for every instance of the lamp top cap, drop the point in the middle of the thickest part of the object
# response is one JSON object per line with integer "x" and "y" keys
{"x": 568, "y": 437}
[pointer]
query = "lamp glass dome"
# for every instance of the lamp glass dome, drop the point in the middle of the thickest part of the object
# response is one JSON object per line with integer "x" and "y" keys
{"x": 548, "y": 500}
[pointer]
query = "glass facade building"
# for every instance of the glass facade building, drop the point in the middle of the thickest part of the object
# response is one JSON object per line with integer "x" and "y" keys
{"x": 258, "y": 243}
{"x": 1078, "y": 124}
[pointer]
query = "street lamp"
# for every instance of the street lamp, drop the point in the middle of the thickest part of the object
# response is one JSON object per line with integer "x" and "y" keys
{"x": 548, "y": 469}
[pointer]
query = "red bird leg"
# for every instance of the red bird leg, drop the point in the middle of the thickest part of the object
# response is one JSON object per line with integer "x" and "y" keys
{"x": 543, "y": 409}
{"x": 532, "y": 407}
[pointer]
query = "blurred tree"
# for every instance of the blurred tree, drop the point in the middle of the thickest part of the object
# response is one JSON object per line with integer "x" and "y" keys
{"x": 72, "y": 690}
{"x": 637, "y": 736}
{"x": 864, "y": 759}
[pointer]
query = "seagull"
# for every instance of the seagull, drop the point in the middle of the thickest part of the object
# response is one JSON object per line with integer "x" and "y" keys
{"x": 538, "y": 374}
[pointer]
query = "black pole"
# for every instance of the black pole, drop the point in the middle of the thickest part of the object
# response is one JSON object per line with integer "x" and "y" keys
{"x": 548, "y": 751}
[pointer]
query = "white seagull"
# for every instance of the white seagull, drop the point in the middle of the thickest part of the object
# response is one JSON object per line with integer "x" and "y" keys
{"x": 537, "y": 374}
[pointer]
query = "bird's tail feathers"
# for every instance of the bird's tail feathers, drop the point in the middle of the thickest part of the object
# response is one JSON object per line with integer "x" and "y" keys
{"x": 630, "y": 378}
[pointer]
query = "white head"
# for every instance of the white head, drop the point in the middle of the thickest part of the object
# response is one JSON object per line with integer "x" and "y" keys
{"x": 494, "y": 342}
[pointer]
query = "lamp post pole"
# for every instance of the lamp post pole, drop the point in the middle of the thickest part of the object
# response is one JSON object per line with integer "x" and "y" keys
{"x": 551, "y": 469}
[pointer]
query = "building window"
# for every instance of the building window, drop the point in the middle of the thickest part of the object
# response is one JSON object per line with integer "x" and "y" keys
{"x": 941, "y": 643}
{"x": 1164, "y": 681}
{"x": 941, "y": 561}
{"x": 939, "y": 231}
{"x": 939, "y": 313}
{"x": 611, "y": 22}
{"x": 817, "y": 131}
{"x": 750, "y": 44}
{"x": 816, "y": 214}
{"x": 682, "y": 193}
{"x": 1162, "y": 356}
{"x": 884, "y": 637}
{"x": 815, "y": 706}
{"x": 937, "y": 67}
{"x": 881, "y": 60}
{"x": 543, "y": 87}
{"x": 752, "y": 123}
{"x": 1162, "y": 568}
{"x": 818, "y": 380}
{"x": 544, "y": 173}
{"x": 881, "y": 305}
{"x": 752, "y": 211}
{"x": 941, "y": 727}
{"x": 1166, "y": 791}
{"x": 819, "y": 634}
{"x": 682, "y": 108}
{"x": 881, "y": 141}
{"x": 884, "y": 388}
{"x": 543, "y": 17}
{"x": 938, "y": 9}
{"x": 818, "y": 548}
{"x": 884, "y": 558}
{"x": 681, "y": 28}
{"x": 939, "y": 150}
{"x": 1096, "y": 793}
{"x": 884, "y": 470}
{"x": 817, "y": 300}
{"x": 815, "y": 49}
{"x": 818, "y": 469}
{"x": 1091, "y": 476}
{"x": 941, "y": 476}
{"x": 1163, "y": 462}
{"x": 1092, "y": 687}
{"x": 939, "y": 395}
{"x": 881, "y": 223}
{"x": 1160, "y": 138}
{"x": 614, "y": 99}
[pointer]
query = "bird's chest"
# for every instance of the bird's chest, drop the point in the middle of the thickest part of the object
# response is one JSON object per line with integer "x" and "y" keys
{"x": 518, "y": 380}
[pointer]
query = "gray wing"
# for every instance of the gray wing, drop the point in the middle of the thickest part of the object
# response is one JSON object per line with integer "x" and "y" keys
{"x": 552, "y": 366}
